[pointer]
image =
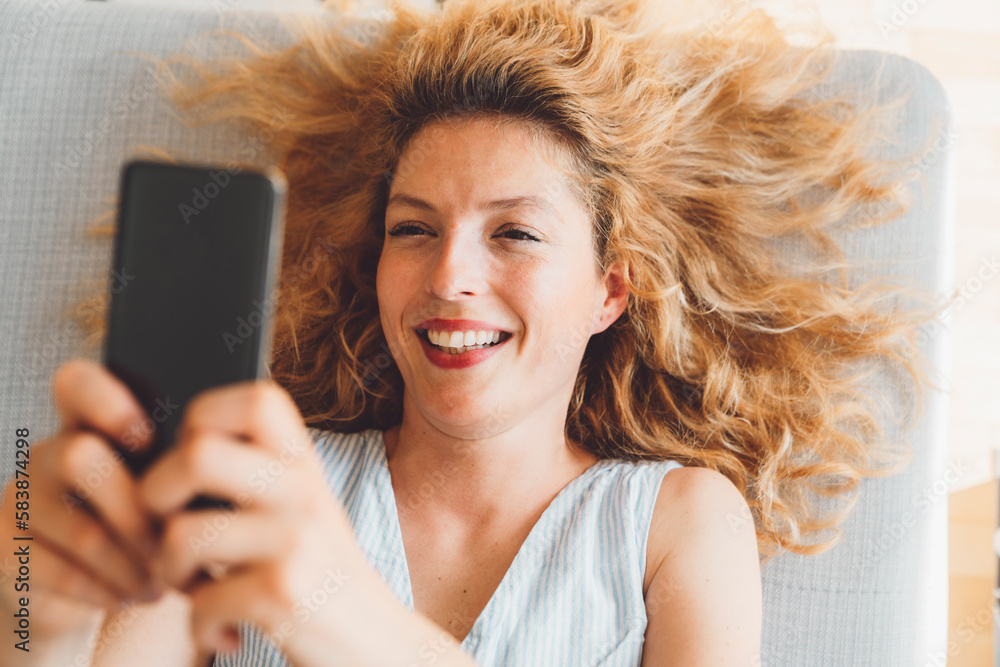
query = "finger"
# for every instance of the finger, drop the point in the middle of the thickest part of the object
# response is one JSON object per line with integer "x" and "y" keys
{"x": 65, "y": 579}
{"x": 204, "y": 540}
{"x": 258, "y": 410}
{"x": 218, "y": 607}
{"x": 79, "y": 537}
{"x": 212, "y": 634}
{"x": 210, "y": 463}
{"x": 260, "y": 594}
{"x": 90, "y": 469}
{"x": 88, "y": 396}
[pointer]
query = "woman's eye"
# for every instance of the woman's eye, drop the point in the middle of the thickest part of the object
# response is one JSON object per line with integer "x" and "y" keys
{"x": 413, "y": 230}
{"x": 404, "y": 230}
{"x": 525, "y": 236}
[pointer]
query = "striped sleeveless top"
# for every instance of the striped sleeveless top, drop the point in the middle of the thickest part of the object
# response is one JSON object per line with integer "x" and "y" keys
{"x": 573, "y": 594}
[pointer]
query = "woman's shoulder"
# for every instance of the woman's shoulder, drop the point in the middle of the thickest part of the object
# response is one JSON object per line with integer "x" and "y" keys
{"x": 694, "y": 502}
{"x": 699, "y": 489}
{"x": 705, "y": 580}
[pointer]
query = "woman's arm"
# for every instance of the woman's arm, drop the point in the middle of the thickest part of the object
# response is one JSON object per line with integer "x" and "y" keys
{"x": 293, "y": 566}
{"x": 157, "y": 635}
{"x": 88, "y": 554}
{"x": 704, "y": 602}
{"x": 393, "y": 635}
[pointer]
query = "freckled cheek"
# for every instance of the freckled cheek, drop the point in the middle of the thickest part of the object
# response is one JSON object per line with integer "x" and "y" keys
{"x": 549, "y": 305}
{"x": 392, "y": 285}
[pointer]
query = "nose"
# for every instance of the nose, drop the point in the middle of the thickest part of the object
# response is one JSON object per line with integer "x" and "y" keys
{"x": 457, "y": 268}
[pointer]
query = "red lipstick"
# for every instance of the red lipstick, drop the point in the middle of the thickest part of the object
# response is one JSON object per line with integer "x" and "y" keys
{"x": 443, "y": 359}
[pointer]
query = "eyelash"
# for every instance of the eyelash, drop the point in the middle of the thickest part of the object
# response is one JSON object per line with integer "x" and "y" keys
{"x": 398, "y": 231}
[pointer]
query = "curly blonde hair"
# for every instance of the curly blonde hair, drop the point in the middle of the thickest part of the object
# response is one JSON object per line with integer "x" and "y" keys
{"x": 695, "y": 151}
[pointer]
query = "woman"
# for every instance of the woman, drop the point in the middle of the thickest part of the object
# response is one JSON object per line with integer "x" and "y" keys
{"x": 555, "y": 218}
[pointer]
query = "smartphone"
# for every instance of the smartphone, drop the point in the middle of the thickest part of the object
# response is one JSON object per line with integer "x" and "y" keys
{"x": 196, "y": 255}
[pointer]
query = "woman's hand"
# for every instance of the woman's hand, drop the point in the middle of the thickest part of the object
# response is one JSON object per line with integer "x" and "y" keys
{"x": 92, "y": 539}
{"x": 285, "y": 557}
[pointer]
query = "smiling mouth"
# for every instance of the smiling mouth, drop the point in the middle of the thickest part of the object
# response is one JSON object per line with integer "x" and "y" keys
{"x": 422, "y": 333}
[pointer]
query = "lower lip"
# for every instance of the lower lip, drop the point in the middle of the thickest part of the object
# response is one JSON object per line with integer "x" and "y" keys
{"x": 460, "y": 360}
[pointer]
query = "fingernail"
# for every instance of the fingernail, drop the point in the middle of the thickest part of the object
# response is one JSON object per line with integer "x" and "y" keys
{"x": 151, "y": 594}
{"x": 147, "y": 546}
{"x": 156, "y": 572}
{"x": 228, "y": 639}
{"x": 112, "y": 602}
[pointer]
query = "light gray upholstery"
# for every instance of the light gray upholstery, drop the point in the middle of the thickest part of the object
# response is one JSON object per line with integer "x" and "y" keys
{"x": 73, "y": 106}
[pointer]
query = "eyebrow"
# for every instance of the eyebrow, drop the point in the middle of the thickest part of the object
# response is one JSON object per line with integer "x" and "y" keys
{"x": 528, "y": 201}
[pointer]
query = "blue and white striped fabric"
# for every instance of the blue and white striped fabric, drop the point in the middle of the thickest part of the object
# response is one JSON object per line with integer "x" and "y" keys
{"x": 573, "y": 594}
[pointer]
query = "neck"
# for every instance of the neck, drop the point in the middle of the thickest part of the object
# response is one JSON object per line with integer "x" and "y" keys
{"x": 473, "y": 483}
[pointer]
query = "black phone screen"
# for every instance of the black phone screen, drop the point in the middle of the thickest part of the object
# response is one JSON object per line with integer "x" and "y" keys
{"x": 195, "y": 259}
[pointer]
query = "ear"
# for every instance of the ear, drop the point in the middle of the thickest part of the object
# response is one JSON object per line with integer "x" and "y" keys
{"x": 611, "y": 298}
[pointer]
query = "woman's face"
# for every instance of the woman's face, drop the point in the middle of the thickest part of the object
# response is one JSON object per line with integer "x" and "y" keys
{"x": 481, "y": 226}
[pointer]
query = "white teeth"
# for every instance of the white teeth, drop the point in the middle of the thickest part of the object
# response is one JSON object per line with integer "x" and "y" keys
{"x": 460, "y": 340}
